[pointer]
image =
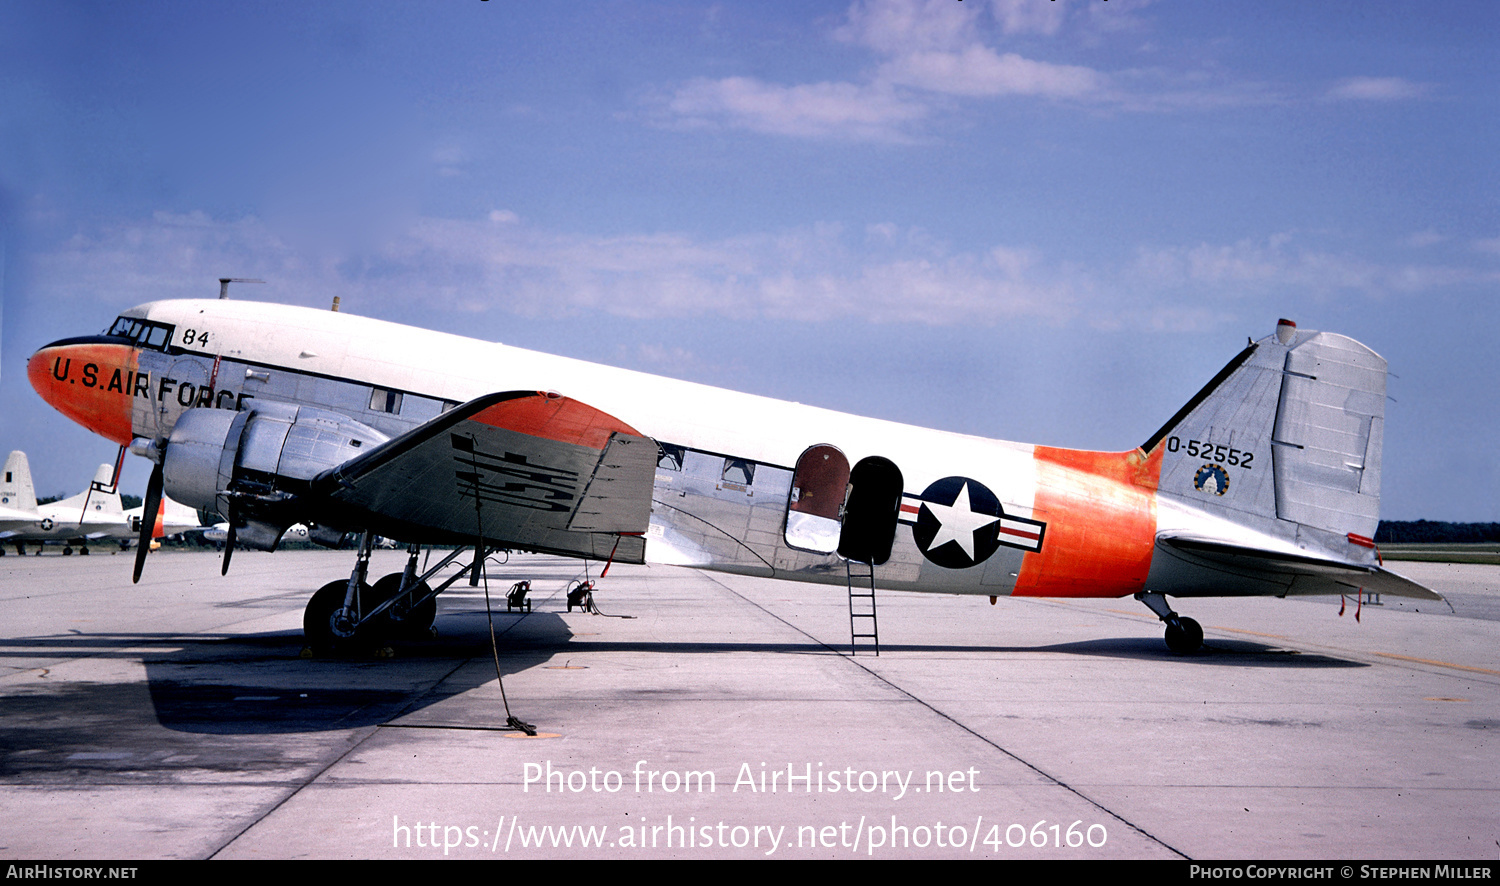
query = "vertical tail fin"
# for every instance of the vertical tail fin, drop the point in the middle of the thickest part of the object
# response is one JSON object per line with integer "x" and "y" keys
{"x": 16, "y": 491}
{"x": 100, "y": 499}
{"x": 1285, "y": 440}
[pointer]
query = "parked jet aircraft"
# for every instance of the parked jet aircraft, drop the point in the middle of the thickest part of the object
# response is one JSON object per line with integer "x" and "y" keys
{"x": 1266, "y": 482}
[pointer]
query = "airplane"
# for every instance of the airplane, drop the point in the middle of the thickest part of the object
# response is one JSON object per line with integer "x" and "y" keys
{"x": 95, "y": 514}
{"x": 92, "y": 515}
{"x": 17, "y": 496}
{"x": 219, "y": 533}
{"x": 172, "y": 518}
{"x": 1265, "y": 483}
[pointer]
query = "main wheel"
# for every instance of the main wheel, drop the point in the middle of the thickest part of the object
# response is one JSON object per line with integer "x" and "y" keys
{"x": 1184, "y": 636}
{"x": 402, "y": 619}
{"x": 329, "y": 627}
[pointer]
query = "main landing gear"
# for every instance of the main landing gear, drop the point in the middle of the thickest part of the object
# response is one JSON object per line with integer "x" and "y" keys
{"x": 1184, "y": 635}
{"x": 353, "y": 616}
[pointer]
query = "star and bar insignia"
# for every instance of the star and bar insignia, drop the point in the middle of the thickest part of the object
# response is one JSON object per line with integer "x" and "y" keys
{"x": 958, "y": 522}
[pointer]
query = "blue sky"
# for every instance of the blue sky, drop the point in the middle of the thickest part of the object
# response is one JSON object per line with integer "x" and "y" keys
{"x": 1038, "y": 220}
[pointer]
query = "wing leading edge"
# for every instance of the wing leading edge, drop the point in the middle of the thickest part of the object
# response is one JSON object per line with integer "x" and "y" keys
{"x": 523, "y": 469}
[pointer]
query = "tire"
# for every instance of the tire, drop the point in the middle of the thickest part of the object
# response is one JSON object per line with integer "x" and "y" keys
{"x": 327, "y": 628}
{"x": 1185, "y": 636}
{"x": 401, "y": 620}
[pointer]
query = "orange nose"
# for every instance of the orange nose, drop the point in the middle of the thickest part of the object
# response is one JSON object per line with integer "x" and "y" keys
{"x": 89, "y": 381}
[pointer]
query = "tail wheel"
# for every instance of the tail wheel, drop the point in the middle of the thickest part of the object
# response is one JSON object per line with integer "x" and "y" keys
{"x": 402, "y": 619}
{"x": 1184, "y": 636}
{"x": 328, "y": 627}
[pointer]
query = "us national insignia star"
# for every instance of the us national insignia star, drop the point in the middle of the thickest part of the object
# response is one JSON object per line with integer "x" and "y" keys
{"x": 959, "y": 523}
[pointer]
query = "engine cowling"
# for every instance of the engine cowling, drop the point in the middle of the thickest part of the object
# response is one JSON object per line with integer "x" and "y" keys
{"x": 252, "y": 466}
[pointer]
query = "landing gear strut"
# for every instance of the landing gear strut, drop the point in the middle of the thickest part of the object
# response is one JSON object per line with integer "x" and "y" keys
{"x": 412, "y": 604}
{"x": 353, "y": 616}
{"x": 332, "y": 621}
{"x": 1184, "y": 635}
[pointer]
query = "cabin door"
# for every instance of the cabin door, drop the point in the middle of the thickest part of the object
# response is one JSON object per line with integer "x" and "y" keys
{"x": 870, "y": 511}
{"x": 817, "y": 500}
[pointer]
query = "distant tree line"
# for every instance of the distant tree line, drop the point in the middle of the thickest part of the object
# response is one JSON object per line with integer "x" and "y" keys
{"x": 1435, "y": 531}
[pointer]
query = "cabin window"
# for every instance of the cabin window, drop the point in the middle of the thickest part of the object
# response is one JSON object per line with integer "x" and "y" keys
{"x": 669, "y": 457}
{"x": 382, "y": 400}
{"x": 738, "y": 471}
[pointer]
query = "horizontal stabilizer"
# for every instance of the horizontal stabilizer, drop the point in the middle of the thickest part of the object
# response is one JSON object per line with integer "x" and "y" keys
{"x": 1300, "y": 575}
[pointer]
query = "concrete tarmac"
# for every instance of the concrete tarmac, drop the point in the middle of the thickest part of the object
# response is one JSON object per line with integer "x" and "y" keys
{"x": 712, "y": 716}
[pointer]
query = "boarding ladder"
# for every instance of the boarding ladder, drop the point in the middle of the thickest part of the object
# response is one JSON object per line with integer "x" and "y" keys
{"x": 861, "y": 577}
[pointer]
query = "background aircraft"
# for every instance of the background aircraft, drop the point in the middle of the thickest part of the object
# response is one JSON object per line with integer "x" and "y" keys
{"x": 17, "y": 497}
{"x": 218, "y": 534}
{"x": 94, "y": 515}
{"x": 1265, "y": 483}
{"x": 172, "y": 518}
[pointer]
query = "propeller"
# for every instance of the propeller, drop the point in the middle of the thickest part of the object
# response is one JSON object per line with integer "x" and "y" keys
{"x": 151, "y": 505}
{"x": 228, "y": 547}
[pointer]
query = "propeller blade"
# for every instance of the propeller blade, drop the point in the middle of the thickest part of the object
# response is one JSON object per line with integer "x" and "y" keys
{"x": 228, "y": 549}
{"x": 150, "y": 506}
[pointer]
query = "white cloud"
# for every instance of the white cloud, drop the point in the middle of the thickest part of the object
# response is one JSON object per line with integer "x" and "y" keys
{"x": 862, "y": 111}
{"x": 980, "y": 71}
{"x": 1029, "y": 16}
{"x": 927, "y": 53}
{"x": 931, "y": 49}
{"x": 1285, "y": 265}
{"x": 1376, "y": 89}
{"x": 879, "y": 273}
{"x": 896, "y": 26}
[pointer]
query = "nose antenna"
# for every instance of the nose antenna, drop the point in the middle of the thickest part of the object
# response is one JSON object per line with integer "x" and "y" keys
{"x": 225, "y": 281}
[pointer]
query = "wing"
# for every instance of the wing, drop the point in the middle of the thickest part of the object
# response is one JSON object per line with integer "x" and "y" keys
{"x": 518, "y": 469}
{"x": 1295, "y": 575}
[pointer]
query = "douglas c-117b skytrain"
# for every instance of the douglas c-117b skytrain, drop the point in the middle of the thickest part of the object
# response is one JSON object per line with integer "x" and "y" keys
{"x": 1266, "y": 482}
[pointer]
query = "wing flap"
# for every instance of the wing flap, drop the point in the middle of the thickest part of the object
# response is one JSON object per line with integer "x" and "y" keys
{"x": 613, "y": 501}
{"x": 520, "y": 469}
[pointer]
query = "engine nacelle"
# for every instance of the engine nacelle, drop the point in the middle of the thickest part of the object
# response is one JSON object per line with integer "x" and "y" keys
{"x": 251, "y": 466}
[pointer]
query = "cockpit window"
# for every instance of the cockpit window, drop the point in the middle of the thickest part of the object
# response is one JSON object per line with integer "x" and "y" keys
{"x": 145, "y": 333}
{"x": 124, "y": 326}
